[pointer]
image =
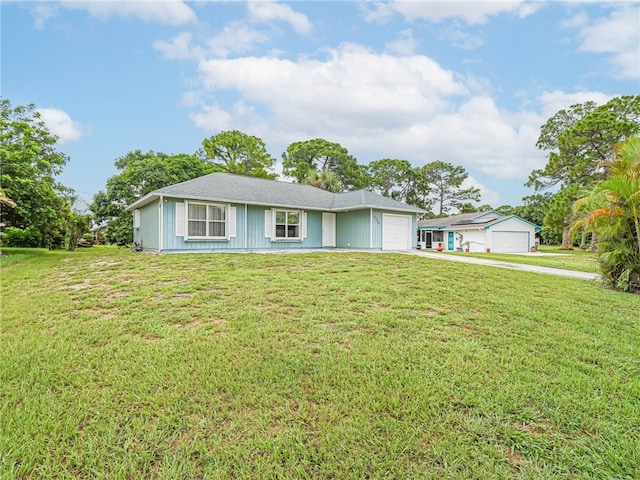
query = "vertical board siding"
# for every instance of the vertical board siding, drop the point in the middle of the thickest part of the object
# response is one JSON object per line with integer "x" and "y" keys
{"x": 359, "y": 229}
{"x": 257, "y": 240}
{"x": 249, "y": 232}
{"x": 148, "y": 235}
{"x": 353, "y": 229}
{"x": 376, "y": 229}
{"x": 174, "y": 243}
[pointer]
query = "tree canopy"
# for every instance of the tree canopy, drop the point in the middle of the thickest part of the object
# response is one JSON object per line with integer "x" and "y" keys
{"x": 612, "y": 211}
{"x": 305, "y": 161}
{"x": 392, "y": 178}
{"x": 140, "y": 173}
{"x": 238, "y": 153}
{"x": 29, "y": 165}
{"x": 444, "y": 182}
{"x": 578, "y": 141}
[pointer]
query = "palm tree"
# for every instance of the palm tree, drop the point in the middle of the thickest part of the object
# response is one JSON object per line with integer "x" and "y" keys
{"x": 325, "y": 179}
{"x": 612, "y": 211}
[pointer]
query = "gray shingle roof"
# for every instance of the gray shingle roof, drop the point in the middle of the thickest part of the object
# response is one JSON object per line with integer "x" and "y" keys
{"x": 476, "y": 218}
{"x": 224, "y": 187}
{"x": 468, "y": 220}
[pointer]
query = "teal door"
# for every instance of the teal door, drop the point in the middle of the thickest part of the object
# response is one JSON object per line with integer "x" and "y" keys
{"x": 450, "y": 243}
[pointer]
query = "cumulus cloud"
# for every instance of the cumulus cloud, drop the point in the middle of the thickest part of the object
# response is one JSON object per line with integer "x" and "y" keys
{"x": 616, "y": 36}
{"x": 169, "y": 12}
{"x": 379, "y": 105}
{"x": 553, "y": 102}
{"x": 268, "y": 11}
{"x": 60, "y": 124}
{"x": 470, "y": 12}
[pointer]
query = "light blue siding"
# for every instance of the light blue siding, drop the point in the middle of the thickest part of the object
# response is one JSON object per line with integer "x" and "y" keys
{"x": 376, "y": 230}
{"x": 172, "y": 242}
{"x": 250, "y": 232}
{"x": 353, "y": 229}
{"x": 148, "y": 233}
{"x": 359, "y": 229}
{"x": 256, "y": 239}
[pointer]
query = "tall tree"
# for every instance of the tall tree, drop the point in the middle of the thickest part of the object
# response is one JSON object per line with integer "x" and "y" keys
{"x": 444, "y": 181}
{"x": 28, "y": 169}
{"x": 305, "y": 161}
{"x": 140, "y": 173}
{"x": 392, "y": 178}
{"x": 238, "y": 153}
{"x": 612, "y": 210}
{"x": 579, "y": 140}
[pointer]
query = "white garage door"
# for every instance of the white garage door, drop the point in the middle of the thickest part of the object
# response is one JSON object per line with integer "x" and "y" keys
{"x": 510, "y": 242}
{"x": 396, "y": 232}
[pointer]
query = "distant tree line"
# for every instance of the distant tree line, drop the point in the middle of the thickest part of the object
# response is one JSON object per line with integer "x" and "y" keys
{"x": 315, "y": 162}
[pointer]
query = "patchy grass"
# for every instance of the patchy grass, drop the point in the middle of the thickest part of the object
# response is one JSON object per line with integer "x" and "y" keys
{"x": 324, "y": 365}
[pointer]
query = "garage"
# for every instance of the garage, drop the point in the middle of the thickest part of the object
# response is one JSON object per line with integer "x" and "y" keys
{"x": 396, "y": 232}
{"x": 510, "y": 242}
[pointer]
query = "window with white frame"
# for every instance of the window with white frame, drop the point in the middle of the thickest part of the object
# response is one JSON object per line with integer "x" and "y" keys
{"x": 287, "y": 224}
{"x": 206, "y": 220}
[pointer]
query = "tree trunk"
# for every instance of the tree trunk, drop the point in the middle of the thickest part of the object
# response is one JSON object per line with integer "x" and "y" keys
{"x": 594, "y": 242}
{"x": 566, "y": 238}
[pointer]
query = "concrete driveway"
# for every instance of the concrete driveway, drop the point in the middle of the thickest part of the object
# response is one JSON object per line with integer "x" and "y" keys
{"x": 499, "y": 264}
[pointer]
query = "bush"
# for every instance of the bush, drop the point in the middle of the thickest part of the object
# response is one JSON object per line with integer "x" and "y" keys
{"x": 21, "y": 237}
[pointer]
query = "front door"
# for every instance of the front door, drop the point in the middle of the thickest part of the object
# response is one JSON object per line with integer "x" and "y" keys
{"x": 450, "y": 242}
{"x": 328, "y": 229}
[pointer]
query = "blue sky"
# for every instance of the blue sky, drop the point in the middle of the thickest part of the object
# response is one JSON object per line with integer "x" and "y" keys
{"x": 468, "y": 83}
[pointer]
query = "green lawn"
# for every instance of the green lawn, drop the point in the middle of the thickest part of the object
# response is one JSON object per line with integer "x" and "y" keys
{"x": 327, "y": 365}
{"x": 566, "y": 259}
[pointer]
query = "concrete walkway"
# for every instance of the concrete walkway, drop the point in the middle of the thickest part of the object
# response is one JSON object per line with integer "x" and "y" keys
{"x": 499, "y": 264}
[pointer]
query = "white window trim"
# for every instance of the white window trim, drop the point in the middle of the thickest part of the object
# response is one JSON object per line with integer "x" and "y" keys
{"x": 302, "y": 230}
{"x": 227, "y": 215}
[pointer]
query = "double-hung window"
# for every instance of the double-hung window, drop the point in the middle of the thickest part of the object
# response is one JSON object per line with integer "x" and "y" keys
{"x": 287, "y": 223}
{"x": 206, "y": 220}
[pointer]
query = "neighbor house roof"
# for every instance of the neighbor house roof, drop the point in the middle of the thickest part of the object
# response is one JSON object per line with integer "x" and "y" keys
{"x": 469, "y": 220}
{"x": 225, "y": 187}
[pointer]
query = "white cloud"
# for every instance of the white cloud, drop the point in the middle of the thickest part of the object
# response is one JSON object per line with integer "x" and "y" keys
{"x": 617, "y": 36}
{"x": 179, "y": 47}
{"x": 60, "y": 124}
{"x": 471, "y": 12}
{"x": 553, "y": 102}
{"x": 169, "y": 12}
{"x": 379, "y": 105}
{"x": 404, "y": 44}
{"x": 487, "y": 196}
{"x": 236, "y": 37}
{"x": 461, "y": 38}
{"x": 267, "y": 11}
{"x": 42, "y": 13}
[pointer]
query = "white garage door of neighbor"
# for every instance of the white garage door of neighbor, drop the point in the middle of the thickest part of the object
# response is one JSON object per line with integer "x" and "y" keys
{"x": 510, "y": 242}
{"x": 396, "y": 232}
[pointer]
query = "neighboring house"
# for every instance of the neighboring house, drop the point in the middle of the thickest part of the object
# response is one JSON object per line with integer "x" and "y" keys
{"x": 478, "y": 232}
{"x": 224, "y": 212}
